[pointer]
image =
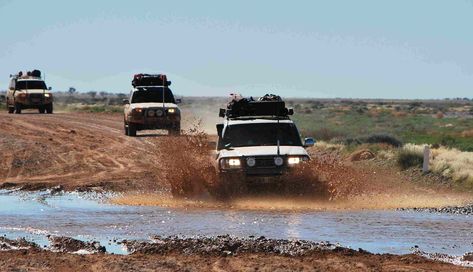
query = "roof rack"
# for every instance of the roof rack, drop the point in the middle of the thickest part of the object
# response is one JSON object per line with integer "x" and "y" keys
{"x": 269, "y": 105}
{"x": 150, "y": 80}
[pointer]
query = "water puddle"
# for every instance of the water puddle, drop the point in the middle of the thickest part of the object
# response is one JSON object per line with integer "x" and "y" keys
{"x": 88, "y": 217}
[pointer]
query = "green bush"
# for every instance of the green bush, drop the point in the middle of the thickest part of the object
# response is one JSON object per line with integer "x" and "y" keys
{"x": 409, "y": 158}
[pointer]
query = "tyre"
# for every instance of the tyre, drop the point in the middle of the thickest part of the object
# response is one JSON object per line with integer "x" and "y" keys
{"x": 11, "y": 110}
{"x": 175, "y": 130}
{"x": 17, "y": 108}
{"x": 231, "y": 185}
{"x": 125, "y": 128}
{"x": 41, "y": 110}
{"x": 131, "y": 130}
{"x": 49, "y": 108}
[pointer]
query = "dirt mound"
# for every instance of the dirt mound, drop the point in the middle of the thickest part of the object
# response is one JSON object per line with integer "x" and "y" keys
{"x": 362, "y": 155}
{"x": 7, "y": 244}
{"x": 70, "y": 245}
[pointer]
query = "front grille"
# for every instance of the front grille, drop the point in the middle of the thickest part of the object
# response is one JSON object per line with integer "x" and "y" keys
{"x": 265, "y": 162}
{"x": 36, "y": 98}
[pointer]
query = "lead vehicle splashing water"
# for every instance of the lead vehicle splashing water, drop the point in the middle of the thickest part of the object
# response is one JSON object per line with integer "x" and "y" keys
{"x": 258, "y": 142}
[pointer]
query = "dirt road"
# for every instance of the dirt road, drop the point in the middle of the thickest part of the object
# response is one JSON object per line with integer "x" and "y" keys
{"x": 79, "y": 150}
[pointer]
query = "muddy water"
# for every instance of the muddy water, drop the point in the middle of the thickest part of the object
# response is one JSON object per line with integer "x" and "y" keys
{"x": 87, "y": 217}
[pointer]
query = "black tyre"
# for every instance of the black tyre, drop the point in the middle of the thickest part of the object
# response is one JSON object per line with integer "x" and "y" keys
{"x": 175, "y": 130}
{"x": 41, "y": 110}
{"x": 17, "y": 108}
{"x": 49, "y": 108}
{"x": 232, "y": 185}
{"x": 125, "y": 128}
{"x": 131, "y": 130}
{"x": 11, "y": 110}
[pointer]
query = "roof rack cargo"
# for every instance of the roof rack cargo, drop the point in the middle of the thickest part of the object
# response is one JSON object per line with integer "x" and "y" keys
{"x": 268, "y": 105}
{"x": 150, "y": 80}
{"x": 29, "y": 74}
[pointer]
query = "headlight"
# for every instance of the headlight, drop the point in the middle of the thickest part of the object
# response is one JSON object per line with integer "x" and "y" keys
{"x": 171, "y": 110}
{"x": 137, "y": 110}
{"x": 278, "y": 161}
{"x": 230, "y": 163}
{"x": 159, "y": 113}
{"x": 295, "y": 160}
{"x": 151, "y": 113}
{"x": 251, "y": 161}
{"x": 47, "y": 95}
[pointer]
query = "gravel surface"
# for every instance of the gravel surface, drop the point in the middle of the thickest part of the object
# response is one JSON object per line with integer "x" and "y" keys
{"x": 228, "y": 245}
{"x": 464, "y": 210}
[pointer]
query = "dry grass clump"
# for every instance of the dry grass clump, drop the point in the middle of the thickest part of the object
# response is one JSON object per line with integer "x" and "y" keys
{"x": 448, "y": 162}
{"x": 454, "y": 164}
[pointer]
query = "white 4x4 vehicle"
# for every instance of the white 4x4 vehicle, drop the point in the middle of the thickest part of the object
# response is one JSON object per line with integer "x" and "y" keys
{"x": 258, "y": 141}
{"x": 151, "y": 106}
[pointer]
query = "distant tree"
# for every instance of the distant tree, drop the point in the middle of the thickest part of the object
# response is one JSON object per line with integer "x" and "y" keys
{"x": 103, "y": 94}
{"x": 71, "y": 90}
{"x": 92, "y": 94}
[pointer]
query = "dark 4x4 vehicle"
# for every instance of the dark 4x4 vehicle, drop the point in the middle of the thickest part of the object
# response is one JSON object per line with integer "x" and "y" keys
{"x": 151, "y": 106}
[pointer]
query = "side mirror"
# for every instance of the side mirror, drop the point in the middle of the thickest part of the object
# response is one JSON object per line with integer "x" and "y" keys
{"x": 222, "y": 113}
{"x": 125, "y": 101}
{"x": 178, "y": 101}
{"x": 219, "y": 130}
{"x": 308, "y": 142}
{"x": 50, "y": 88}
{"x": 168, "y": 83}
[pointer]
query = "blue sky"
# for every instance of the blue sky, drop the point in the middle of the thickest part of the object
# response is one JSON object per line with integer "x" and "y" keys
{"x": 351, "y": 49}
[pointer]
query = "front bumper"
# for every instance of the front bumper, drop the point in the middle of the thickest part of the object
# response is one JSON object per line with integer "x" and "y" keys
{"x": 264, "y": 167}
{"x": 144, "y": 121}
{"x": 33, "y": 100}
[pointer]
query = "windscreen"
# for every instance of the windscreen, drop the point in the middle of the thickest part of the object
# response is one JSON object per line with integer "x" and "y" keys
{"x": 266, "y": 134}
{"x": 30, "y": 84}
{"x": 151, "y": 95}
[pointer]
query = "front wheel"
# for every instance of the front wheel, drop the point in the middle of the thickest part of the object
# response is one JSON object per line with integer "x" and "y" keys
{"x": 49, "y": 108}
{"x": 231, "y": 185}
{"x": 125, "y": 127}
{"x": 17, "y": 108}
{"x": 11, "y": 109}
{"x": 132, "y": 130}
{"x": 175, "y": 130}
{"x": 41, "y": 110}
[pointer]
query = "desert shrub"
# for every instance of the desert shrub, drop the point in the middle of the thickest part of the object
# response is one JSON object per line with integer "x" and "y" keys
{"x": 374, "y": 139}
{"x": 407, "y": 158}
{"x": 448, "y": 141}
{"x": 325, "y": 134}
{"x": 383, "y": 139}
